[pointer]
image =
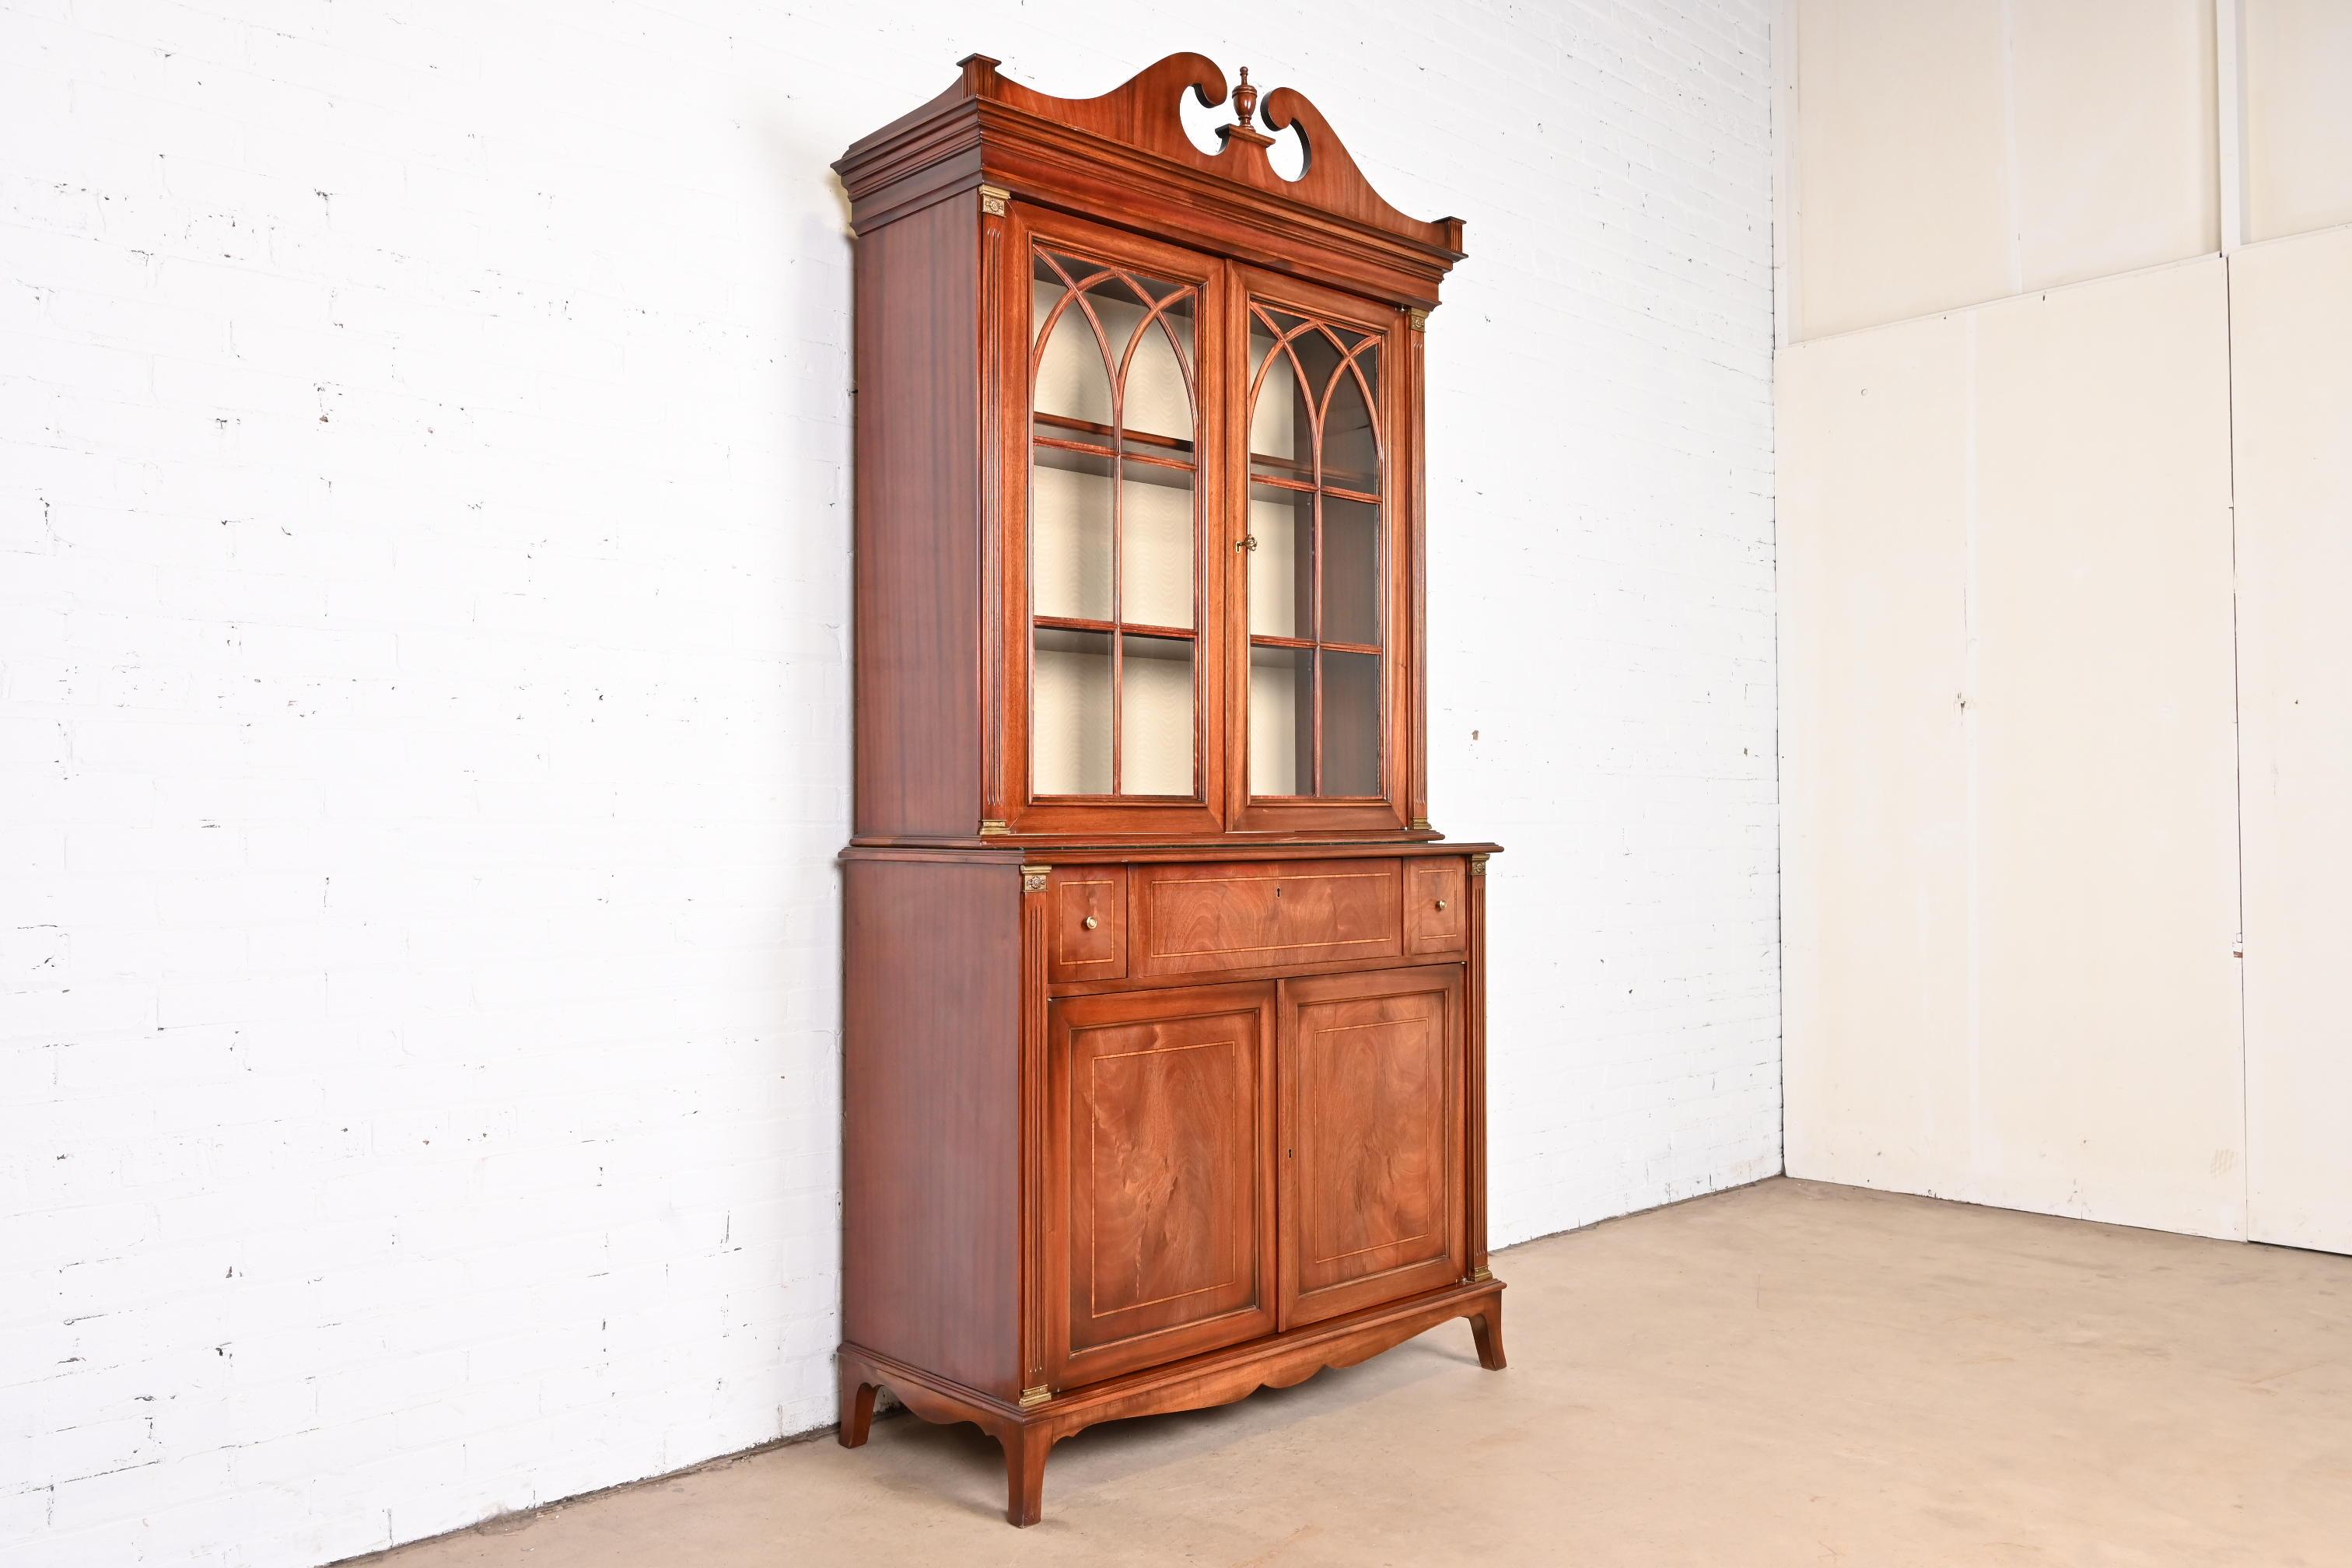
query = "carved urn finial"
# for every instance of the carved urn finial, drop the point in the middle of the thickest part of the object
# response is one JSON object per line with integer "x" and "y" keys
{"x": 1244, "y": 100}
{"x": 1244, "y": 125}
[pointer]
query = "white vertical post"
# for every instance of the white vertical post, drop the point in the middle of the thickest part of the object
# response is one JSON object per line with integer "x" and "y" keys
{"x": 2230, "y": 116}
{"x": 1786, "y": 325}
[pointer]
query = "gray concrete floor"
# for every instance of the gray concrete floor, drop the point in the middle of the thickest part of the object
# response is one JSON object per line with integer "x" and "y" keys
{"x": 1786, "y": 1373}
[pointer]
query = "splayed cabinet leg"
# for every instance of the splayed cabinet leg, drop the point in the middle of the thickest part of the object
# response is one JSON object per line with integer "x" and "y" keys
{"x": 1486, "y": 1328}
{"x": 1024, "y": 1472}
{"x": 857, "y": 1408}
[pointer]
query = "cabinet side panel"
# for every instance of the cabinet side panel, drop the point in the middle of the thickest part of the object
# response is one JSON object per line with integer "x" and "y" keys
{"x": 931, "y": 1118}
{"x": 918, "y": 564}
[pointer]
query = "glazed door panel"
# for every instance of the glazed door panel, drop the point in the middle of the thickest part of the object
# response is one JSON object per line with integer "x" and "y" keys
{"x": 1372, "y": 1080}
{"x": 1112, "y": 414}
{"x": 1161, "y": 1196}
{"x": 1321, "y": 737}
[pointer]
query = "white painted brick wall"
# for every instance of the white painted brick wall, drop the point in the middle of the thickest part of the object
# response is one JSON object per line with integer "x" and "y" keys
{"x": 1601, "y": 613}
{"x": 423, "y": 720}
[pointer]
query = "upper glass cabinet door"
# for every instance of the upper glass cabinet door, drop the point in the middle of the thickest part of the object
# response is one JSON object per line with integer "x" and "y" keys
{"x": 1113, "y": 530}
{"x": 1318, "y": 573}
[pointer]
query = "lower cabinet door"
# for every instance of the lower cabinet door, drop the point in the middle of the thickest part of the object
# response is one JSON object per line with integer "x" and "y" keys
{"x": 1159, "y": 1179}
{"x": 1372, "y": 1174}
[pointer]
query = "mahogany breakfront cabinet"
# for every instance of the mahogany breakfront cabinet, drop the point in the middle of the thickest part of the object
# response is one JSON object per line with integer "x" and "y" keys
{"x": 1163, "y": 1066}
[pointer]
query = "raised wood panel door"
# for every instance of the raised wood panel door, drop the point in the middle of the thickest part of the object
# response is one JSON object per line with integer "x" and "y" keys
{"x": 1161, "y": 1191}
{"x": 1371, "y": 1139}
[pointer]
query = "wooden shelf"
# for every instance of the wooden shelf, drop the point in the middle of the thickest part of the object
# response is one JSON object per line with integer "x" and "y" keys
{"x": 1346, "y": 486}
{"x": 1086, "y": 433}
{"x": 1087, "y": 458}
{"x": 1259, "y": 640}
{"x": 1081, "y": 624}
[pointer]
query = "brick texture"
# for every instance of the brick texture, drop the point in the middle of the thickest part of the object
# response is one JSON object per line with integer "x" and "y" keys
{"x": 423, "y": 545}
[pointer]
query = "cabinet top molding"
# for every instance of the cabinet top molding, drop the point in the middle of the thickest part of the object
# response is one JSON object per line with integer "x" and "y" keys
{"x": 1070, "y": 152}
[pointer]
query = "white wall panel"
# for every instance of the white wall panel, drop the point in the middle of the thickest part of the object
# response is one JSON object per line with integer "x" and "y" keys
{"x": 2298, "y": 115}
{"x": 1952, "y": 152}
{"x": 2111, "y": 137}
{"x": 1873, "y": 544}
{"x": 2107, "y": 859}
{"x": 1902, "y": 204}
{"x": 2011, "y": 876}
{"x": 2290, "y": 315}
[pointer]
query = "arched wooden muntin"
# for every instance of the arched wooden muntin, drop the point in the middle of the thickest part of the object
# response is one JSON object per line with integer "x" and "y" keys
{"x": 1346, "y": 369}
{"x": 1079, "y": 277}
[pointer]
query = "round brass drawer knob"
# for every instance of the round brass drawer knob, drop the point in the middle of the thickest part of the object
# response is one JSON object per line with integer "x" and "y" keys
{"x": 1441, "y": 903}
{"x": 1091, "y": 922}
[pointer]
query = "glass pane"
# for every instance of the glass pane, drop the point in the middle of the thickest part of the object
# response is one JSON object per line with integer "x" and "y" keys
{"x": 1283, "y": 524}
{"x": 1156, "y": 538}
{"x": 1281, "y": 745}
{"x": 1070, "y": 534}
{"x": 1351, "y": 572}
{"x": 1159, "y": 398}
{"x": 1351, "y": 448}
{"x": 1073, "y": 381}
{"x": 1278, "y": 425}
{"x": 1351, "y": 723}
{"x": 1116, "y": 306}
{"x": 1156, "y": 717}
{"x": 1319, "y": 573}
{"x": 1069, "y": 732}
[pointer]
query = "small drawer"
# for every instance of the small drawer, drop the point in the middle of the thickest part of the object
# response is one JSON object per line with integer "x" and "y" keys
{"x": 1257, "y": 914}
{"x": 1432, "y": 906}
{"x": 1086, "y": 924}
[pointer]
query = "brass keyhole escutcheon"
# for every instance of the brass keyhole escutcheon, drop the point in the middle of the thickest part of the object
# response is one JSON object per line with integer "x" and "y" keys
{"x": 1090, "y": 922}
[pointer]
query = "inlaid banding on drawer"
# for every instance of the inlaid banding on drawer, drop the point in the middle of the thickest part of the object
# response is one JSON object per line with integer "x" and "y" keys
{"x": 1191, "y": 920}
{"x": 1086, "y": 924}
{"x": 1434, "y": 919}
